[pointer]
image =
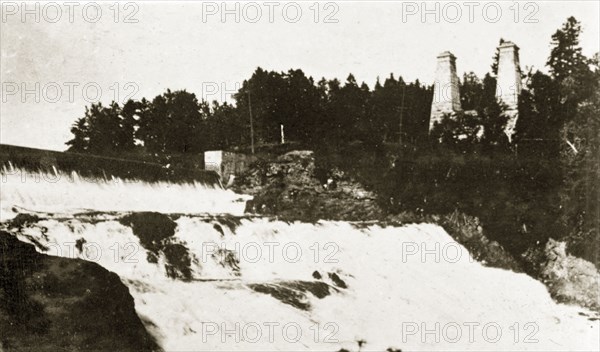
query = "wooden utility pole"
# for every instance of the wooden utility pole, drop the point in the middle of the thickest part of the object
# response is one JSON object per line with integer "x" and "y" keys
{"x": 401, "y": 115}
{"x": 251, "y": 123}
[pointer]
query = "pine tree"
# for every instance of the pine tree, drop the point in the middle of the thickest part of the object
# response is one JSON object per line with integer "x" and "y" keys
{"x": 496, "y": 58}
{"x": 80, "y": 141}
{"x": 566, "y": 58}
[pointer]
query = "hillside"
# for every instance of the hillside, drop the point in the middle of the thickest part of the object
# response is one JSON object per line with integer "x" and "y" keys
{"x": 291, "y": 187}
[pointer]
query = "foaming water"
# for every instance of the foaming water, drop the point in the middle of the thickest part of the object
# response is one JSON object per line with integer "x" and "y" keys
{"x": 59, "y": 192}
{"x": 257, "y": 284}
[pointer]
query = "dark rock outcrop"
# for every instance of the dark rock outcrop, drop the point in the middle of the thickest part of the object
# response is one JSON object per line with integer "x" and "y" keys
{"x": 156, "y": 231}
{"x": 468, "y": 231}
{"x": 288, "y": 187}
{"x": 294, "y": 293}
{"x": 59, "y": 304}
{"x": 569, "y": 279}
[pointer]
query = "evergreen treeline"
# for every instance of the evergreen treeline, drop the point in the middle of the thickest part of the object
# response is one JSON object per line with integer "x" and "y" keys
{"x": 311, "y": 113}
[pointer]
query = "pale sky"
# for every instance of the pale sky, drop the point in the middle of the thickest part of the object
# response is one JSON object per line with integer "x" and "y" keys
{"x": 188, "y": 45}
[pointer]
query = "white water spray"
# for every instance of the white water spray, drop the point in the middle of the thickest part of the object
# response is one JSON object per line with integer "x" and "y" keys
{"x": 58, "y": 192}
{"x": 257, "y": 284}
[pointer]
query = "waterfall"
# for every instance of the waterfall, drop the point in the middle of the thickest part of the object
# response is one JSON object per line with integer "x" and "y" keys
{"x": 205, "y": 277}
{"x": 59, "y": 193}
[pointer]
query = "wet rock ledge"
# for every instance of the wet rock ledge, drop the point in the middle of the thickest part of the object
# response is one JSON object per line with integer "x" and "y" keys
{"x": 59, "y": 304}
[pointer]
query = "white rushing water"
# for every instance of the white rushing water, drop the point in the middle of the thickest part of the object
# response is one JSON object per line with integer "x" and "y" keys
{"x": 60, "y": 192}
{"x": 259, "y": 284}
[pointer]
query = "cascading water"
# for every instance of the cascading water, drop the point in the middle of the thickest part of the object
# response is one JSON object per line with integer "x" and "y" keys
{"x": 215, "y": 280}
{"x": 60, "y": 192}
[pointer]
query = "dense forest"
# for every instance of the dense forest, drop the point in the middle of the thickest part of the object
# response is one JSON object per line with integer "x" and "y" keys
{"x": 543, "y": 183}
{"x": 310, "y": 112}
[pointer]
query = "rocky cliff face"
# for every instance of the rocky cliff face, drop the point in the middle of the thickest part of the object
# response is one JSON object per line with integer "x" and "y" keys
{"x": 288, "y": 187}
{"x": 59, "y": 304}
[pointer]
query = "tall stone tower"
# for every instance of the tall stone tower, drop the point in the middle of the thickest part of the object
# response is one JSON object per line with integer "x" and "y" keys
{"x": 509, "y": 84}
{"x": 446, "y": 99}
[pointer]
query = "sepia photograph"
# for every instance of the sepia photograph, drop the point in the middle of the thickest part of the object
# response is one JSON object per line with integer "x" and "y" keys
{"x": 328, "y": 176}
